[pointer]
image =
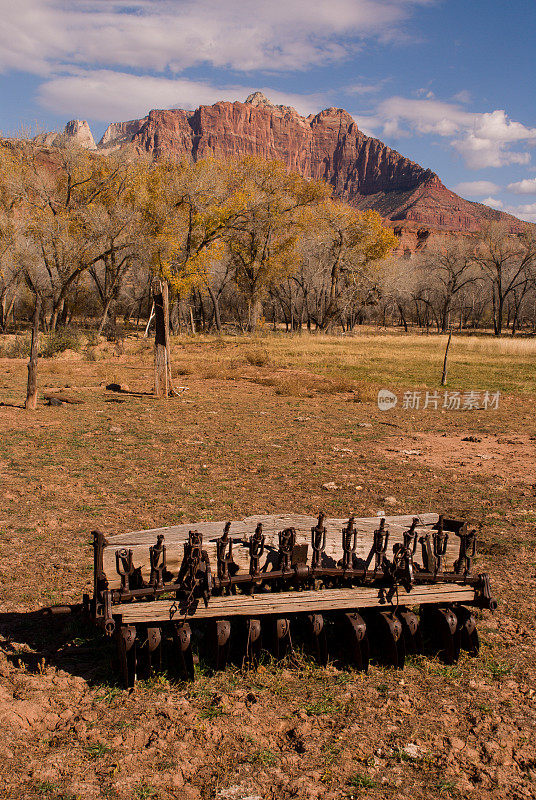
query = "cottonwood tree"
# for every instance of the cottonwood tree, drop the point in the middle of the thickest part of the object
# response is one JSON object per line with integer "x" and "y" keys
{"x": 263, "y": 238}
{"x": 115, "y": 223}
{"x": 345, "y": 245}
{"x": 186, "y": 211}
{"x": 507, "y": 263}
{"x": 446, "y": 272}
{"x": 57, "y": 212}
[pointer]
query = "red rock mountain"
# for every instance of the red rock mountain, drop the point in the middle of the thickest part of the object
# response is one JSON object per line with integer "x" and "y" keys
{"x": 329, "y": 145}
{"x": 362, "y": 170}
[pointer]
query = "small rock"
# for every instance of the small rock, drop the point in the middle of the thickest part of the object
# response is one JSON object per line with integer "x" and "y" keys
{"x": 116, "y": 429}
{"x": 364, "y": 425}
{"x": 456, "y": 743}
{"x": 412, "y": 751}
{"x": 390, "y": 501}
{"x": 117, "y": 387}
{"x": 330, "y": 486}
{"x": 471, "y": 439}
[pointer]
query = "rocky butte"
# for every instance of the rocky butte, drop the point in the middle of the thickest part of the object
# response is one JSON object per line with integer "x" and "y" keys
{"x": 362, "y": 170}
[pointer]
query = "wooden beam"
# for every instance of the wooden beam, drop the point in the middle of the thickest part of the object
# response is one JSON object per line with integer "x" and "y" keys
{"x": 292, "y": 603}
{"x": 140, "y": 541}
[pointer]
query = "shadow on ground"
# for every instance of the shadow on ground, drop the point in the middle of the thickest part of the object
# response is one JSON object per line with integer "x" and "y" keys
{"x": 66, "y": 641}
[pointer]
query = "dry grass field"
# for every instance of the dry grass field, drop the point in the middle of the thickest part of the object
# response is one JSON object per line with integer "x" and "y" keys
{"x": 264, "y": 424}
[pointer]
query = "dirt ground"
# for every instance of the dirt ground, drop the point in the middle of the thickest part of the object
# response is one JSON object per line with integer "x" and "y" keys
{"x": 249, "y": 438}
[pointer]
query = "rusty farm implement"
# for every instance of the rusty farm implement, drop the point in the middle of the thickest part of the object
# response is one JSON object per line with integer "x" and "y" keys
{"x": 355, "y": 588}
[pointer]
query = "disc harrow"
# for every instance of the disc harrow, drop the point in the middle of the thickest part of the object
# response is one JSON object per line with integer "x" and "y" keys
{"x": 352, "y": 590}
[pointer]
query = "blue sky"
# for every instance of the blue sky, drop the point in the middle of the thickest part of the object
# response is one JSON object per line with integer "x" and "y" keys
{"x": 449, "y": 83}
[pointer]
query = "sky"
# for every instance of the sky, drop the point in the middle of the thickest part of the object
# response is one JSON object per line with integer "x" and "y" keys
{"x": 448, "y": 83}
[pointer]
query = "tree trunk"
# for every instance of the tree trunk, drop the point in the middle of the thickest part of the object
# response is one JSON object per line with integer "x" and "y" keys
{"x": 56, "y": 311}
{"x": 444, "y": 375}
{"x": 174, "y": 317}
{"x": 161, "y": 388}
{"x": 104, "y": 315}
{"x": 255, "y": 311}
{"x": 216, "y": 304}
{"x": 499, "y": 317}
{"x": 31, "y": 389}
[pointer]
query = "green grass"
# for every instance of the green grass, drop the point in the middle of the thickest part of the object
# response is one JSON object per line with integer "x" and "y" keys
{"x": 365, "y": 362}
{"x": 498, "y": 670}
{"x": 321, "y": 707}
{"x": 97, "y": 750}
{"x": 360, "y": 781}
{"x": 263, "y": 757}
{"x": 145, "y": 792}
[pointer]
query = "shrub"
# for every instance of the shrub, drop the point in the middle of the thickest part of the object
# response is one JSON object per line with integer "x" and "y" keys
{"x": 60, "y": 340}
{"x": 257, "y": 357}
{"x": 19, "y": 347}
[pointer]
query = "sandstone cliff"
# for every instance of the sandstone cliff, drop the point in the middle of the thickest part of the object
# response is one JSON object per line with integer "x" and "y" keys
{"x": 75, "y": 132}
{"x": 362, "y": 170}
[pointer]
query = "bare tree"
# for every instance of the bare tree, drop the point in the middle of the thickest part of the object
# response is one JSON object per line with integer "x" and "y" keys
{"x": 507, "y": 263}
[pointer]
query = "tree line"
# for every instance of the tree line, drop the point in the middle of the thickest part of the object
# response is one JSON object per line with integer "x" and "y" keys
{"x": 234, "y": 242}
{"x": 86, "y": 234}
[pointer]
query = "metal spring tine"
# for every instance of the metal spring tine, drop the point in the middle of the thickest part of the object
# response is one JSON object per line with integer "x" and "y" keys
{"x": 224, "y": 552}
{"x": 124, "y": 567}
{"x": 440, "y": 541}
{"x": 467, "y": 551}
{"x": 381, "y": 540}
{"x": 318, "y": 541}
{"x": 349, "y": 543}
{"x": 256, "y": 550}
{"x": 410, "y": 536}
{"x": 158, "y": 561}
{"x": 287, "y": 540}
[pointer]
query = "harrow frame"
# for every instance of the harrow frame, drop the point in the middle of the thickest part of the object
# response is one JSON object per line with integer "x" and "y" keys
{"x": 147, "y": 592}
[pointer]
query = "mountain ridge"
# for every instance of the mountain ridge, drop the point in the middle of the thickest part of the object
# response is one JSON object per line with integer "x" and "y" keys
{"x": 329, "y": 145}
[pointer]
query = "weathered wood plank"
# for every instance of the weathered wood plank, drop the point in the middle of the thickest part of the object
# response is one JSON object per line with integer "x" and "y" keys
{"x": 292, "y": 603}
{"x": 175, "y": 537}
{"x": 271, "y": 523}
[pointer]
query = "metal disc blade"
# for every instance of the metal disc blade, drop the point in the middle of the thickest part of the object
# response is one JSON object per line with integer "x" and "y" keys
{"x": 253, "y": 641}
{"x": 469, "y": 639}
{"x": 280, "y": 636}
{"x": 354, "y": 637}
{"x": 317, "y": 637}
{"x": 387, "y": 638}
{"x": 183, "y": 659}
{"x": 441, "y": 626}
{"x": 149, "y": 652}
{"x": 126, "y": 652}
{"x": 221, "y": 634}
{"x": 410, "y": 630}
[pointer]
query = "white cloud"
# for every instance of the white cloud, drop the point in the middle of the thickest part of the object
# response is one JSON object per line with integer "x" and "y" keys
{"x": 487, "y": 143}
{"x": 526, "y": 212}
{"x": 365, "y": 88}
{"x": 477, "y": 188}
{"x": 463, "y": 97}
{"x": 492, "y": 202}
{"x": 42, "y": 35}
{"x": 526, "y": 186}
{"x": 107, "y": 95}
{"x": 482, "y": 139}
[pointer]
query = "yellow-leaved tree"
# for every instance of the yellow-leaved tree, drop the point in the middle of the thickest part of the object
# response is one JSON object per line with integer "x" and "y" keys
{"x": 345, "y": 247}
{"x": 187, "y": 209}
{"x": 263, "y": 238}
